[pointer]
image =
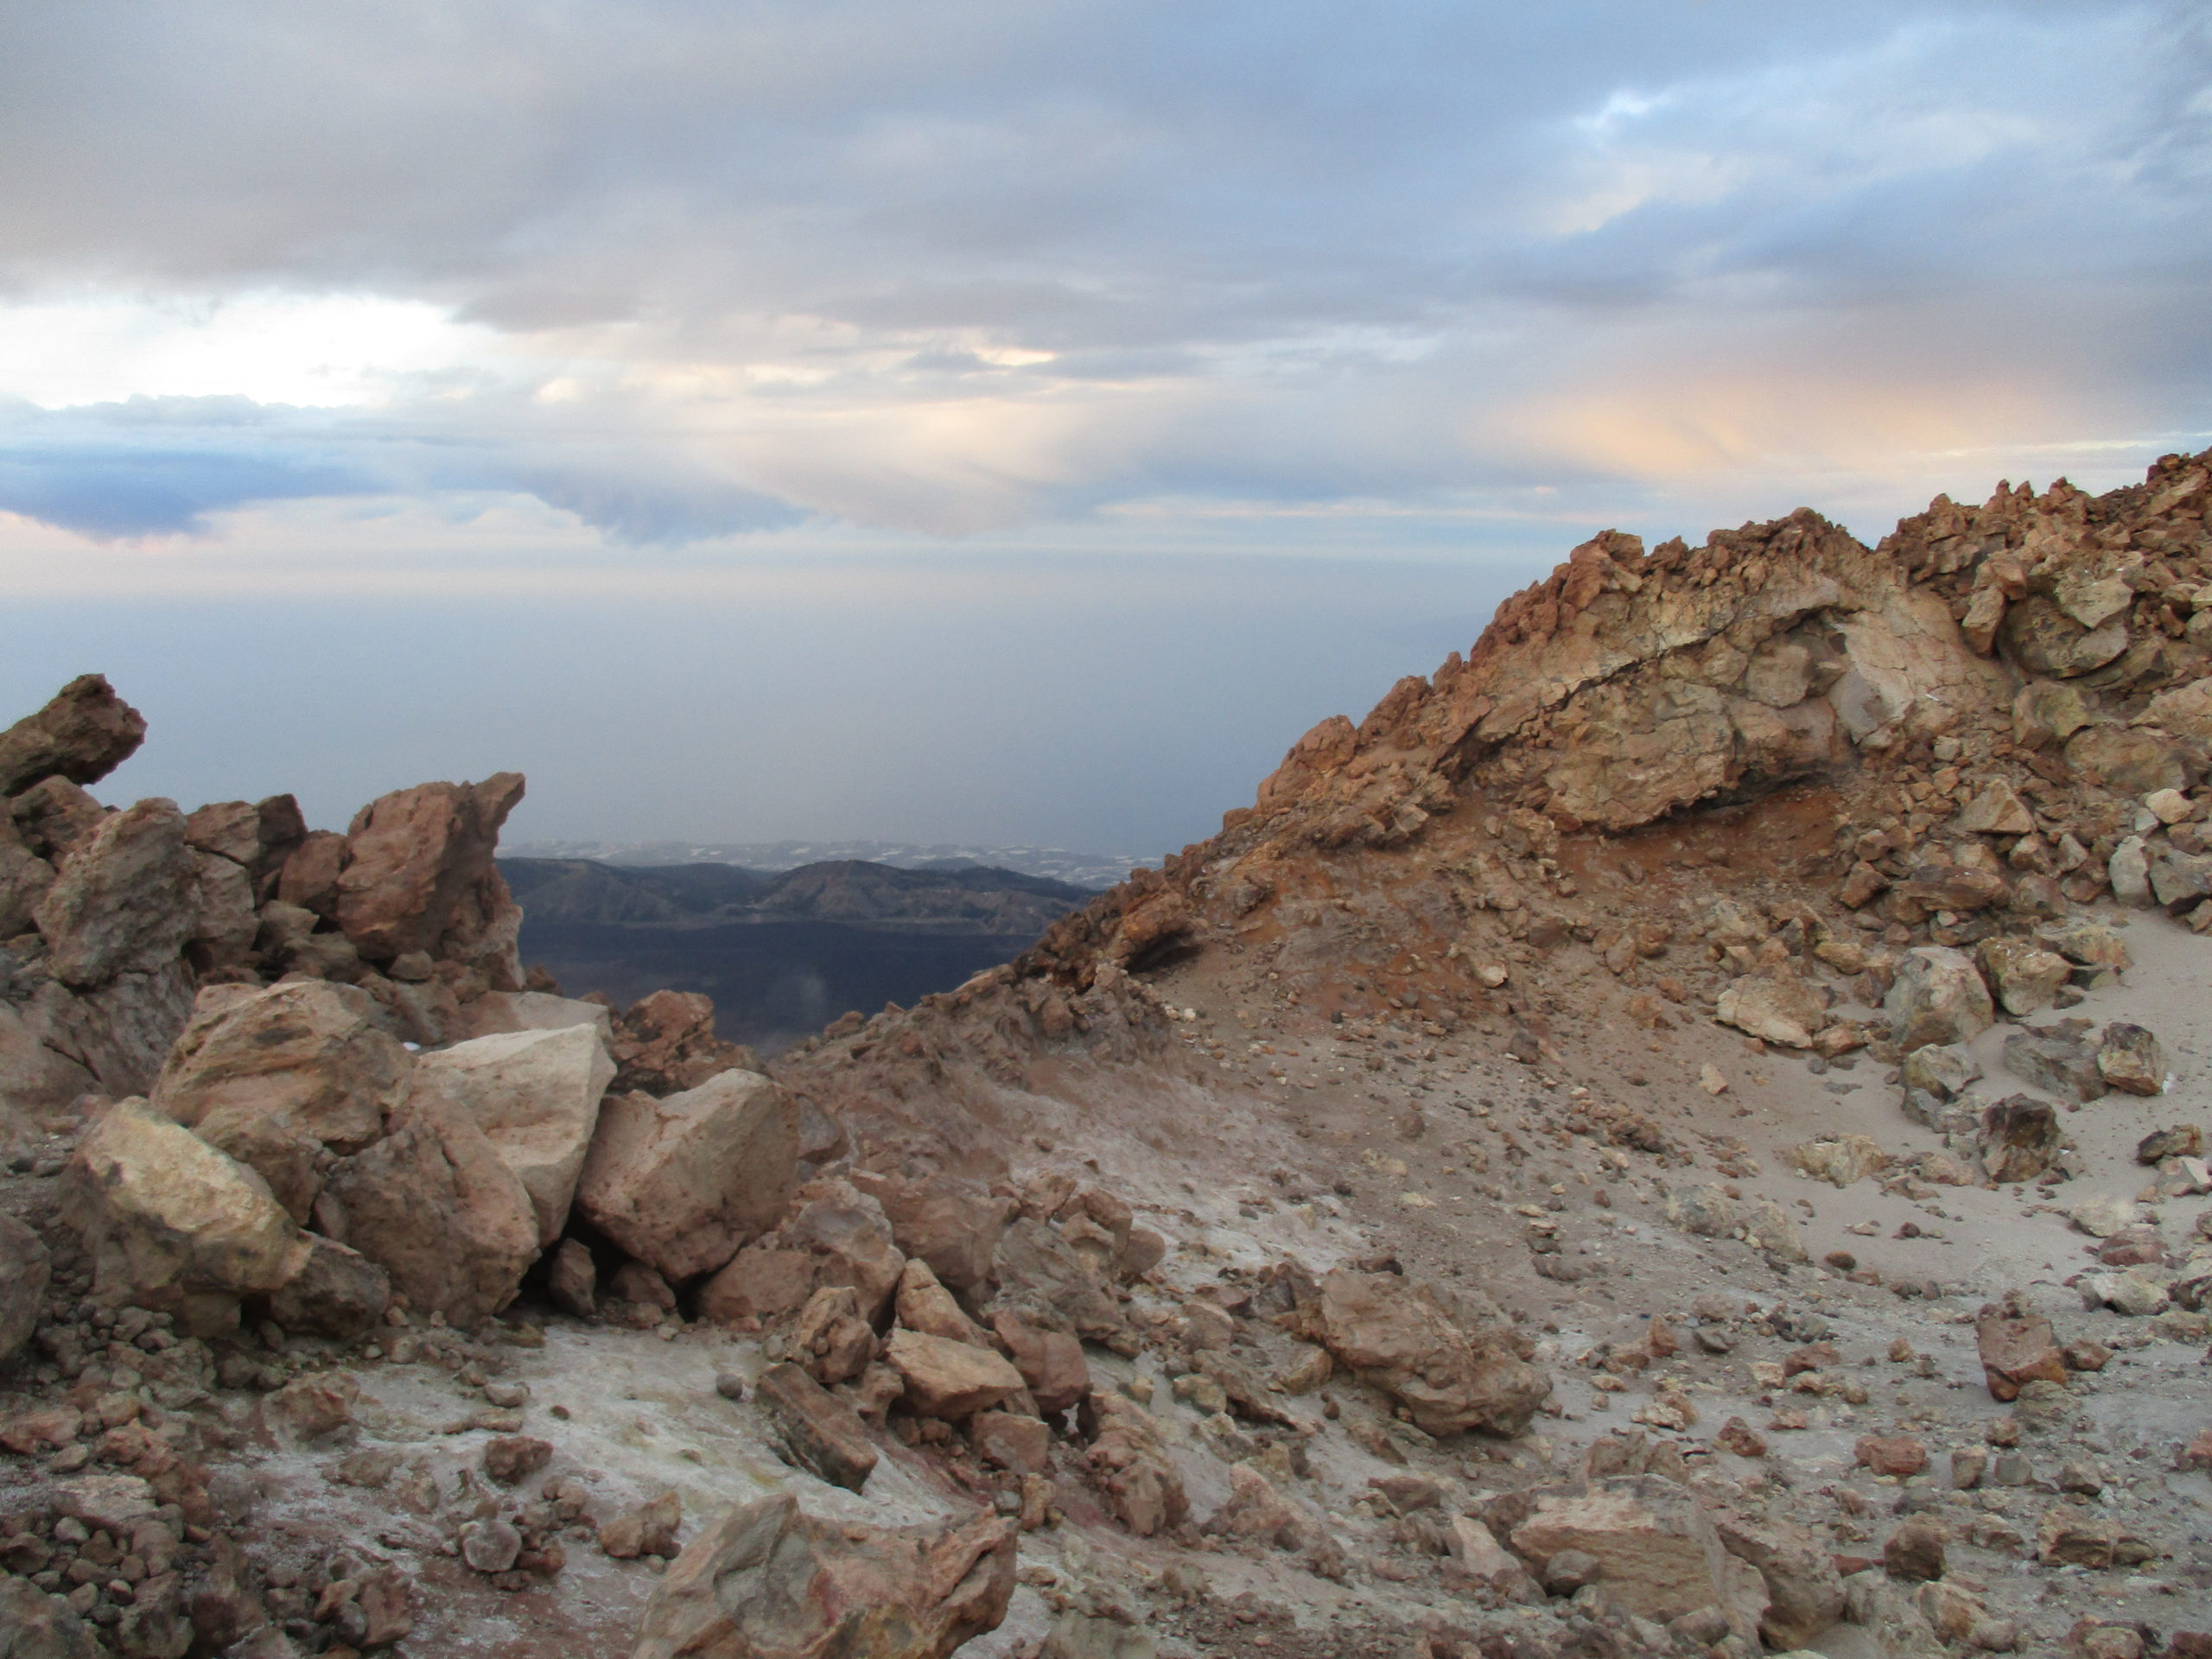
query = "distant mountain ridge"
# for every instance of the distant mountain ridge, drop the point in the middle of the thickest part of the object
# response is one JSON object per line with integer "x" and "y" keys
{"x": 850, "y": 891}
{"x": 1091, "y": 871}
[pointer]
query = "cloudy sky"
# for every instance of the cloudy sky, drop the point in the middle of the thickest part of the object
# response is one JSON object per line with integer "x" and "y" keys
{"x": 1004, "y": 422}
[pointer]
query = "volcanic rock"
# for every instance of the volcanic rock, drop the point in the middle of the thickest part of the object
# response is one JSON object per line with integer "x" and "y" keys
{"x": 172, "y": 1223}
{"x": 1656, "y": 1552}
{"x": 681, "y": 1183}
{"x": 2055, "y": 1061}
{"x": 125, "y": 901}
{"x": 2019, "y": 1138}
{"x": 82, "y": 734}
{"x": 1937, "y": 997}
{"x": 666, "y": 1045}
{"x": 949, "y": 1380}
{"x": 419, "y": 875}
{"x": 536, "y": 1095}
{"x": 1453, "y": 1368}
{"x": 2130, "y": 1060}
{"x": 765, "y": 1578}
{"x": 823, "y": 1434}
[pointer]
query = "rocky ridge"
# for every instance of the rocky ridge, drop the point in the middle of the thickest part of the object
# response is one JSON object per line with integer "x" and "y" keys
{"x": 1262, "y": 1262}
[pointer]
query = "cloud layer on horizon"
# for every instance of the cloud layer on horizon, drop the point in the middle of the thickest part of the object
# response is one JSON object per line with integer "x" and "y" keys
{"x": 690, "y": 271}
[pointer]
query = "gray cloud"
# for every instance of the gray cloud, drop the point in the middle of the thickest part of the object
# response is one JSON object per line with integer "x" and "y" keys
{"x": 1289, "y": 252}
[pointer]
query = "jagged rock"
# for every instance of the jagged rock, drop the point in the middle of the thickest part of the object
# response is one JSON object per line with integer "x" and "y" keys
{"x": 55, "y": 819}
{"x": 949, "y": 1380}
{"x": 1842, "y": 1162}
{"x": 1453, "y": 1368}
{"x": 823, "y": 1434}
{"x": 1997, "y": 809}
{"x": 308, "y": 880}
{"x": 1129, "y": 1460}
{"x": 334, "y": 1292}
{"x": 119, "y": 1033}
{"x": 1939, "y": 884}
{"x": 1775, "y": 1006}
{"x": 34, "y": 1625}
{"x": 1256, "y": 1509}
{"x": 1008, "y": 1440}
{"x": 433, "y": 1204}
{"x": 1044, "y": 1281}
{"x": 1051, "y": 1363}
{"x": 2183, "y": 1140}
{"x": 536, "y": 1095}
{"x": 2180, "y": 881}
{"x": 2055, "y": 1060}
{"x": 2047, "y": 712}
{"x": 766, "y": 1578}
{"x": 1658, "y": 1555}
{"x": 24, "y": 879}
{"x": 2025, "y": 977}
{"x": 83, "y": 733}
{"x": 665, "y": 1045}
{"x": 2131, "y": 1059}
{"x": 1488, "y": 1563}
{"x": 2183, "y": 710}
{"x": 1804, "y": 1591}
{"x": 2128, "y": 762}
{"x": 647, "y": 1528}
{"x": 24, "y": 1271}
{"x": 2128, "y": 870}
{"x": 281, "y": 1077}
{"x": 925, "y": 1306}
{"x": 498, "y": 1012}
{"x": 2016, "y": 1348}
{"x": 419, "y": 875}
{"x": 681, "y": 1183}
{"x": 225, "y": 925}
{"x": 952, "y": 1225}
{"x": 2139, "y": 1292}
{"x": 2086, "y": 942}
{"x": 573, "y": 1280}
{"x": 123, "y": 903}
{"x": 172, "y": 1223}
{"x": 2069, "y": 1535}
{"x": 2043, "y": 639}
{"x": 829, "y": 1338}
{"x": 1937, "y": 997}
{"x": 2019, "y": 1138}
{"x": 1943, "y": 1070}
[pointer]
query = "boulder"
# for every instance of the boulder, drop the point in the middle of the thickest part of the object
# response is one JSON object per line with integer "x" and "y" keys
{"x": 281, "y": 1078}
{"x": 765, "y": 1578}
{"x": 34, "y": 1625}
{"x": 683, "y": 1182}
{"x": 2104, "y": 1215}
{"x": 761, "y": 1282}
{"x": 2088, "y": 944}
{"x": 1775, "y": 1006}
{"x": 2127, "y": 761}
{"x": 1488, "y": 1563}
{"x": 951, "y": 1223}
{"x": 2016, "y": 1347}
{"x": 925, "y": 1306}
{"x": 2128, "y": 870}
{"x": 334, "y": 1292}
{"x": 1008, "y": 1440}
{"x": 1842, "y": 1162}
{"x": 2048, "y": 711}
{"x": 2184, "y": 710}
{"x": 1453, "y": 1367}
{"x": 435, "y": 1207}
{"x": 2180, "y": 882}
{"x": 1046, "y": 1281}
{"x": 121, "y": 1031}
{"x": 23, "y": 1273}
{"x": 1996, "y": 810}
{"x": 536, "y": 1095}
{"x": 2019, "y": 1138}
{"x": 949, "y": 1380}
{"x": 1943, "y": 1070}
{"x": 1804, "y": 1591}
{"x": 173, "y": 1225}
{"x": 2055, "y": 1060}
{"x": 1051, "y": 1363}
{"x": 225, "y": 925}
{"x": 821, "y": 1432}
{"x": 55, "y": 818}
{"x": 1915, "y": 1551}
{"x": 419, "y": 875}
{"x": 2024, "y": 976}
{"x": 125, "y": 902}
{"x": 1937, "y": 997}
{"x": 666, "y": 1045}
{"x": 308, "y": 880}
{"x": 502, "y": 1011}
{"x": 845, "y": 1233}
{"x": 82, "y": 734}
{"x": 1658, "y": 1555}
{"x": 1131, "y": 1465}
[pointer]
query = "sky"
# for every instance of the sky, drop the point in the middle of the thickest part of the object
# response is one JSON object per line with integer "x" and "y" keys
{"x": 1005, "y": 423}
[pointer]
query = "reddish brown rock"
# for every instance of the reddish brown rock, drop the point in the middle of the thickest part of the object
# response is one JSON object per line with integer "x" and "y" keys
{"x": 1008, "y": 1440}
{"x": 82, "y": 734}
{"x": 952, "y": 1225}
{"x": 647, "y": 1529}
{"x": 1453, "y": 1368}
{"x": 948, "y": 1380}
{"x": 2017, "y": 1348}
{"x": 766, "y": 1578}
{"x": 761, "y": 1282}
{"x": 1051, "y": 1363}
{"x": 419, "y": 875}
{"x": 1130, "y": 1462}
{"x": 666, "y": 1044}
{"x": 924, "y": 1304}
{"x": 829, "y": 1338}
{"x": 1915, "y": 1550}
{"x": 823, "y": 1434}
{"x": 683, "y": 1182}
{"x": 1894, "y": 1454}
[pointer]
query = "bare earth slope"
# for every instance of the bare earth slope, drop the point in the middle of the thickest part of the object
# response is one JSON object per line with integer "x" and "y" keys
{"x": 1680, "y": 1133}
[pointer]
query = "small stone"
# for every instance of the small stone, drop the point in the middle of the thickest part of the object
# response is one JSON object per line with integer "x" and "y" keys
{"x": 512, "y": 1459}
{"x": 490, "y": 1545}
{"x": 1738, "y": 1436}
{"x": 1895, "y": 1454}
{"x": 2131, "y": 1059}
{"x": 730, "y": 1385}
{"x": 1568, "y": 1571}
